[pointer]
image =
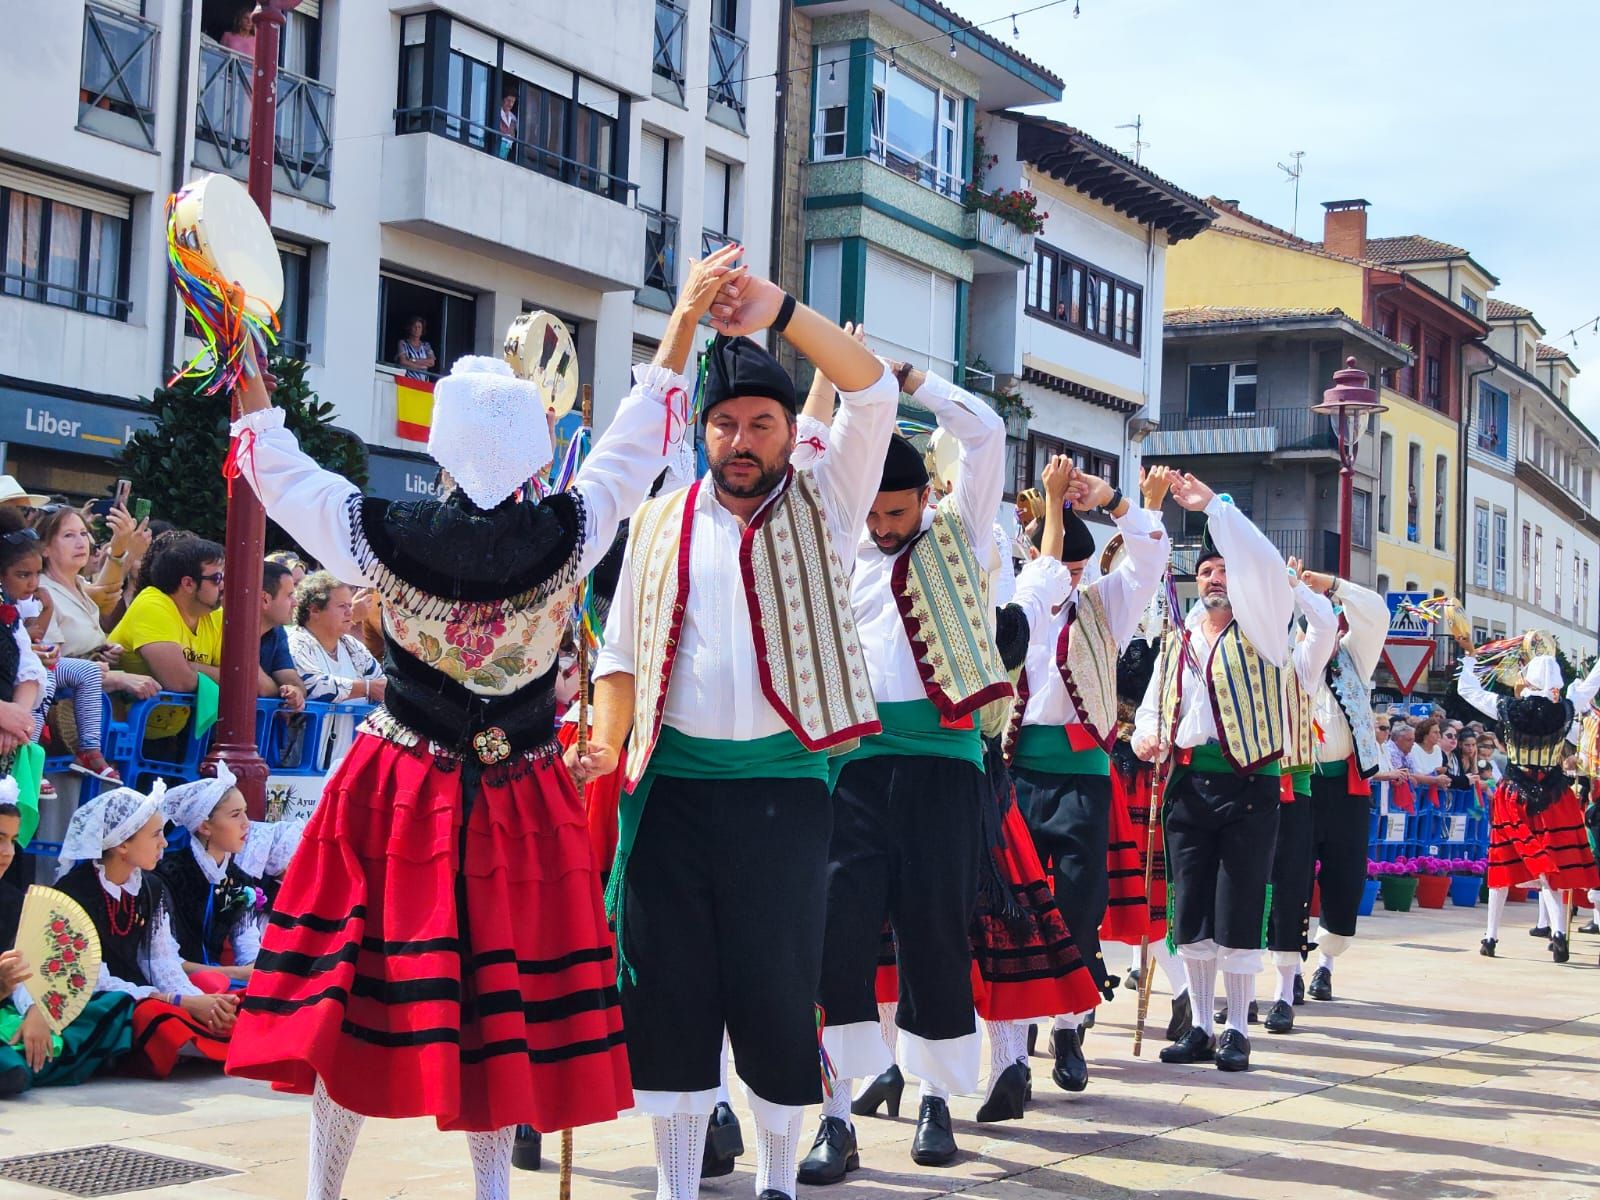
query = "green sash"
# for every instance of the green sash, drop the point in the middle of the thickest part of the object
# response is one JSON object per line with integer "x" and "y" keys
{"x": 1341, "y": 768}
{"x": 1208, "y": 759}
{"x": 1047, "y": 748}
{"x": 1300, "y": 777}
{"x": 679, "y": 756}
{"x": 911, "y": 729}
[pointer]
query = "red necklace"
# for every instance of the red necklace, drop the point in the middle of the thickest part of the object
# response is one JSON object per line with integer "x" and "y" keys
{"x": 122, "y": 913}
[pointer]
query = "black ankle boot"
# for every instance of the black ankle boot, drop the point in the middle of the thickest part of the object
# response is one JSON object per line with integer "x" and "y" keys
{"x": 1009, "y": 1096}
{"x": 886, "y": 1090}
{"x": 527, "y": 1149}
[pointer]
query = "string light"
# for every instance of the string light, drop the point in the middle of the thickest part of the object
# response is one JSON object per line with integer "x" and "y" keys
{"x": 1014, "y": 34}
{"x": 831, "y": 77}
{"x": 1076, "y": 11}
{"x": 952, "y": 46}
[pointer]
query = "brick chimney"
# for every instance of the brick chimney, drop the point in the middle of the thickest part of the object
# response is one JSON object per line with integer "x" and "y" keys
{"x": 1344, "y": 227}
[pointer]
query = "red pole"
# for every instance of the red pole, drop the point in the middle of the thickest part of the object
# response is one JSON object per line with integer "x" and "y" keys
{"x": 235, "y": 735}
{"x": 1346, "y": 507}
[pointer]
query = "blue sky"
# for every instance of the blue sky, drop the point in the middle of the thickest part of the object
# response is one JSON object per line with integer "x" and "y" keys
{"x": 1473, "y": 122}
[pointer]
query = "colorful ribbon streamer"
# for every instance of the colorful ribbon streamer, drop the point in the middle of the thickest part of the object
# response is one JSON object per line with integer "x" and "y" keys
{"x": 219, "y": 315}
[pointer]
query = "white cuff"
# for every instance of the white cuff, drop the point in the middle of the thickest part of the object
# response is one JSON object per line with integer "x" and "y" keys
{"x": 857, "y": 1049}
{"x": 258, "y": 422}
{"x": 1333, "y": 944}
{"x": 951, "y": 1063}
{"x": 934, "y": 387}
{"x": 1234, "y": 961}
{"x": 672, "y": 1104}
{"x": 656, "y": 379}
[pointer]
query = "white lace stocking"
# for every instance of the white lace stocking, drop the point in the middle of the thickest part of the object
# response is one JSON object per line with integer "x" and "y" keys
{"x": 680, "y": 1142}
{"x": 491, "y": 1162}
{"x": 334, "y": 1129}
{"x": 776, "y": 1156}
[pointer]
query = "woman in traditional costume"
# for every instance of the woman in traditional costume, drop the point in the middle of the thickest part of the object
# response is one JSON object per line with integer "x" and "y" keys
{"x": 439, "y": 946}
{"x": 108, "y": 860}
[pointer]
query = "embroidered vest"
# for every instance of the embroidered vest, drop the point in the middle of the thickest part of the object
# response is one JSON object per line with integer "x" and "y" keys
{"x": 809, "y": 660}
{"x": 944, "y": 606}
{"x": 1530, "y": 749}
{"x": 1589, "y": 743}
{"x": 1086, "y": 657}
{"x": 1354, "y": 698}
{"x": 1244, "y": 692}
{"x": 1299, "y": 733}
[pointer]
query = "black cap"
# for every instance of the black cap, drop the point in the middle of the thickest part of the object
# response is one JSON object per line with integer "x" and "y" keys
{"x": 739, "y": 367}
{"x": 1208, "y": 548}
{"x": 903, "y": 468}
{"x": 1011, "y": 635}
{"x": 1077, "y": 544}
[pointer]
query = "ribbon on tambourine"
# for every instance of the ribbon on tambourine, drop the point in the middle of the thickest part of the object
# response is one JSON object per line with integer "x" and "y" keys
{"x": 241, "y": 454}
{"x": 220, "y": 317}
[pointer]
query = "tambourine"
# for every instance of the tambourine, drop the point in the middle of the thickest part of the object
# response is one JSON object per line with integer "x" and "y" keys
{"x": 1112, "y": 554}
{"x": 539, "y": 348}
{"x": 944, "y": 455}
{"x": 1030, "y": 505}
{"x": 214, "y": 218}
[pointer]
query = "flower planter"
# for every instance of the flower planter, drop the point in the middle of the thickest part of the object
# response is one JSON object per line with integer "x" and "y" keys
{"x": 1398, "y": 892}
{"x": 1432, "y": 890}
{"x": 1464, "y": 890}
{"x": 1369, "y": 897}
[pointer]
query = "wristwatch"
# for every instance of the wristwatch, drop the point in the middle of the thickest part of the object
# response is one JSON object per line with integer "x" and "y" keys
{"x": 1110, "y": 506}
{"x": 901, "y": 374}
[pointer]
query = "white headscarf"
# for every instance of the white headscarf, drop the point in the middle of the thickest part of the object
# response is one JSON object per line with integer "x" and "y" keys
{"x": 1542, "y": 675}
{"x": 108, "y": 820}
{"x": 488, "y": 429}
{"x": 191, "y": 804}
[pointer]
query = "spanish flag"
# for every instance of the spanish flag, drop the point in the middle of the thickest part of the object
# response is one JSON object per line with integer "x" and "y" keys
{"x": 413, "y": 408}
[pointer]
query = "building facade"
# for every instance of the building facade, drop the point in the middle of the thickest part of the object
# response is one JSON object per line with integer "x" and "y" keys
{"x": 455, "y": 165}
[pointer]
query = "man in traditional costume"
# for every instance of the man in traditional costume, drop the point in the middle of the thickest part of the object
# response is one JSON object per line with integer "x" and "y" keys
{"x": 439, "y": 947}
{"x": 1536, "y": 827}
{"x": 1215, "y": 700}
{"x": 1061, "y": 761}
{"x": 1347, "y": 755}
{"x": 1289, "y": 916}
{"x": 732, "y": 656}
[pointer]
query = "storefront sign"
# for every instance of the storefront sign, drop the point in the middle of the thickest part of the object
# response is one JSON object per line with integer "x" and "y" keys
{"x": 98, "y": 428}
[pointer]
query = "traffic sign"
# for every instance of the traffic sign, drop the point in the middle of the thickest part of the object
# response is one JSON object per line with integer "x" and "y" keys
{"x": 1405, "y": 624}
{"x": 1408, "y": 660}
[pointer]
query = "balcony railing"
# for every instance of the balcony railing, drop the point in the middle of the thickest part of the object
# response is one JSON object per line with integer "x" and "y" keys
{"x": 1299, "y": 542}
{"x": 729, "y": 54}
{"x": 1296, "y": 428}
{"x": 991, "y": 230}
{"x": 303, "y": 150}
{"x": 534, "y": 157}
{"x": 668, "y": 59}
{"x": 929, "y": 175}
{"x": 117, "y": 84}
{"x": 661, "y": 252}
{"x": 711, "y": 241}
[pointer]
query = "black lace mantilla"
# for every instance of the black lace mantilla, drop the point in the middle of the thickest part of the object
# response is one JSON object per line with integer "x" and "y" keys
{"x": 436, "y": 553}
{"x": 1537, "y": 717}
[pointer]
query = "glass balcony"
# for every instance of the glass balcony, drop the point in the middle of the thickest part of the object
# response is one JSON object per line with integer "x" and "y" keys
{"x": 303, "y": 154}
{"x": 117, "y": 84}
{"x": 729, "y": 54}
{"x": 660, "y": 253}
{"x": 711, "y": 241}
{"x": 668, "y": 59}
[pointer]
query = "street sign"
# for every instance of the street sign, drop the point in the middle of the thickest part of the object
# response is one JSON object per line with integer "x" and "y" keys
{"x": 1407, "y": 660}
{"x": 1405, "y": 624}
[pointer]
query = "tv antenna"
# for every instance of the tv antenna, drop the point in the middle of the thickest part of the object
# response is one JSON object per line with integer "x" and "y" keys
{"x": 1294, "y": 174}
{"x": 1139, "y": 145}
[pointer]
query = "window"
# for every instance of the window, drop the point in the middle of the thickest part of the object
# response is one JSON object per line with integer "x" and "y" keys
{"x": 1480, "y": 545}
{"x": 1385, "y": 479}
{"x": 294, "y": 315}
{"x": 1361, "y": 518}
{"x": 1433, "y": 372}
{"x": 916, "y": 129}
{"x": 1383, "y": 585}
{"x": 449, "y": 316}
{"x": 831, "y": 78}
{"x": 718, "y": 207}
{"x": 1491, "y": 423}
{"x": 1538, "y": 565}
{"x": 595, "y": 130}
{"x": 1469, "y": 302}
{"x": 823, "y": 279}
{"x": 661, "y": 227}
{"x": 117, "y": 79}
{"x": 1557, "y": 567}
{"x": 1222, "y": 389}
{"x": 1577, "y": 573}
{"x": 667, "y": 61}
{"x": 1441, "y": 505}
{"x": 1586, "y": 609}
{"x": 1500, "y": 539}
{"x": 910, "y": 312}
{"x": 1406, "y": 377}
{"x": 1089, "y": 301}
{"x": 1414, "y": 494}
{"x": 63, "y": 243}
{"x": 1527, "y": 557}
{"x": 1041, "y": 447}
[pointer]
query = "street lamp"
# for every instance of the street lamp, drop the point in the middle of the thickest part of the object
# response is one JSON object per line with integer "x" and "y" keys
{"x": 235, "y": 737}
{"x": 1348, "y": 404}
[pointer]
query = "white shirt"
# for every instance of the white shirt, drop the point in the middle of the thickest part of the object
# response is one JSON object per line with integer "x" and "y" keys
{"x": 1367, "y": 616}
{"x": 28, "y": 664}
{"x": 715, "y": 690}
{"x": 1126, "y": 592}
{"x": 1003, "y": 579}
{"x": 979, "y": 484}
{"x": 74, "y": 618}
{"x": 1424, "y": 762}
{"x": 1263, "y": 601}
{"x": 313, "y": 505}
{"x": 1312, "y": 652}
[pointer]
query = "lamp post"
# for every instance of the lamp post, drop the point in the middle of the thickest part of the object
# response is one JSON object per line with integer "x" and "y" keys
{"x": 1347, "y": 404}
{"x": 235, "y": 737}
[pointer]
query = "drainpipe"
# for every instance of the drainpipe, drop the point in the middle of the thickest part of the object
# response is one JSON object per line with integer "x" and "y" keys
{"x": 180, "y": 159}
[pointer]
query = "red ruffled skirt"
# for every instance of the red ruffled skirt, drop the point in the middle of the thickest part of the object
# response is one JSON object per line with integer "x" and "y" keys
{"x": 601, "y": 798}
{"x": 160, "y": 1032}
{"x": 1128, "y": 910}
{"x": 1552, "y": 843}
{"x": 423, "y": 969}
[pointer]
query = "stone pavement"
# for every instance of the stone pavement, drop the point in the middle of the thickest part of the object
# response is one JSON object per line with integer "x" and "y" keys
{"x": 1437, "y": 1074}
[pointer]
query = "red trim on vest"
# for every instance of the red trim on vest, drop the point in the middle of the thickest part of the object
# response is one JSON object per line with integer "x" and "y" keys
{"x": 1104, "y": 740}
{"x": 675, "y": 628}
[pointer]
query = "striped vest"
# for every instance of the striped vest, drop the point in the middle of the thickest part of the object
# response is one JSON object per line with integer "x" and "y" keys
{"x": 1086, "y": 656}
{"x": 943, "y": 598}
{"x": 810, "y": 662}
{"x": 1589, "y": 743}
{"x": 1243, "y": 690}
{"x": 1299, "y": 726}
{"x": 1530, "y": 750}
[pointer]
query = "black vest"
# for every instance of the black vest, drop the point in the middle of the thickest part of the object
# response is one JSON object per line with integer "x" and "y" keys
{"x": 203, "y": 915}
{"x": 119, "y": 953}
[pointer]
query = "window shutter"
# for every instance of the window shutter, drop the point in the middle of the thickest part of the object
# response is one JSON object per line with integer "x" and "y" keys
{"x": 716, "y": 201}
{"x": 53, "y": 187}
{"x": 652, "y": 171}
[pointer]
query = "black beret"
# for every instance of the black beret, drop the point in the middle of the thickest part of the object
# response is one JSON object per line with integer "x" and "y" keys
{"x": 739, "y": 367}
{"x": 1077, "y": 544}
{"x": 903, "y": 468}
{"x": 1208, "y": 548}
{"x": 1011, "y": 635}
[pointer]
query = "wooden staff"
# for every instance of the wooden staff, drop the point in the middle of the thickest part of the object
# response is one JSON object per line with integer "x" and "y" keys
{"x": 1158, "y": 787}
{"x": 583, "y": 748}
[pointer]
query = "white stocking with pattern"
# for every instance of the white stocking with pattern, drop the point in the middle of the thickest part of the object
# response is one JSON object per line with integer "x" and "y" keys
{"x": 680, "y": 1142}
{"x": 491, "y": 1162}
{"x": 334, "y": 1129}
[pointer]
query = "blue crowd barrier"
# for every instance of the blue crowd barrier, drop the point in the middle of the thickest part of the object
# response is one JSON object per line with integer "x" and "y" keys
{"x": 1446, "y": 823}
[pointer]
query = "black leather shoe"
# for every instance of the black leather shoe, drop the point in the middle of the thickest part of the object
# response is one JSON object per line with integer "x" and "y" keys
{"x": 1033, "y": 1040}
{"x": 1071, "y": 1071}
{"x": 1280, "y": 1017}
{"x": 886, "y": 1090}
{"x": 1321, "y": 987}
{"x": 1591, "y": 927}
{"x": 1233, "y": 1052}
{"x": 1558, "y": 948}
{"x": 1182, "y": 1018}
{"x": 1486, "y": 947}
{"x": 774, "y": 1194}
{"x": 527, "y": 1149}
{"x": 1299, "y": 989}
{"x": 833, "y": 1155}
{"x": 1539, "y": 931}
{"x": 1222, "y": 1013}
{"x": 724, "y": 1143}
{"x": 934, "y": 1145}
{"x": 1008, "y": 1096}
{"x": 1196, "y": 1046}
{"x": 1132, "y": 980}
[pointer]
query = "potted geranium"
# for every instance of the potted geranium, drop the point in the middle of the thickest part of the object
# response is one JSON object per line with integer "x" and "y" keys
{"x": 1466, "y": 880}
{"x": 1433, "y": 881}
{"x": 1369, "y": 893}
{"x": 1399, "y": 884}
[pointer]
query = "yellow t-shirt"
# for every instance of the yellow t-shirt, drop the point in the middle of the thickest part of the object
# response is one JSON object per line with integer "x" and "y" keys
{"x": 154, "y": 617}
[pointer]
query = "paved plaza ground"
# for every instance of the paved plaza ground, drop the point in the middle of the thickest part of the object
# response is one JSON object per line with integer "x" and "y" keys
{"x": 1438, "y": 1073}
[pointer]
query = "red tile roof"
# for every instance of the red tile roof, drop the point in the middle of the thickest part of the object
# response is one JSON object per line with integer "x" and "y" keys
{"x": 1411, "y": 248}
{"x": 1549, "y": 353}
{"x": 1504, "y": 310}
